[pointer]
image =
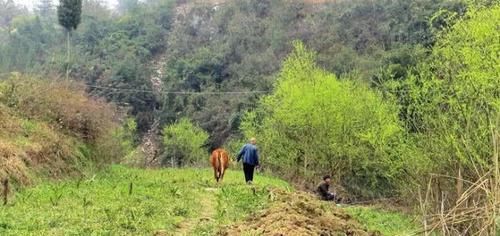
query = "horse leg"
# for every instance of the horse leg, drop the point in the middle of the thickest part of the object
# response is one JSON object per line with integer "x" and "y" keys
{"x": 222, "y": 173}
{"x": 216, "y": 175}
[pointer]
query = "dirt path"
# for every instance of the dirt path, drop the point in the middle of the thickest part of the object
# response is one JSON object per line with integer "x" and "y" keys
{"x": 205, "y": 216}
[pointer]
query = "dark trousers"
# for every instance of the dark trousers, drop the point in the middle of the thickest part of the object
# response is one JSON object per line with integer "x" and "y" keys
{"x": 329, "y": 197}
{"x": 248, "y": 170}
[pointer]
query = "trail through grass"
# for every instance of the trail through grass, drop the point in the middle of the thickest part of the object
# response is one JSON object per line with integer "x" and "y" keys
{"x": 205, "y": 217}
{"x": 125, "y": 201}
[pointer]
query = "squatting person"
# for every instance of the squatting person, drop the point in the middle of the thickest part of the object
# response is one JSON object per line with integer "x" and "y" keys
{"x": 323, "y": 189}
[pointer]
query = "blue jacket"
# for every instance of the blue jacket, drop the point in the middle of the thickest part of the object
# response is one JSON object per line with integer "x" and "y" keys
{"x": 249, "y": 154}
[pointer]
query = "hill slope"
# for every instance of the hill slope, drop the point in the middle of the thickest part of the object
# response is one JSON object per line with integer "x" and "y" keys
{"x": 51, "y": 128}
{"x": 121, "y": 200}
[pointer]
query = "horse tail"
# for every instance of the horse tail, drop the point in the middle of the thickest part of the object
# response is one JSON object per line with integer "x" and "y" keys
{"x": 219, "y": 162}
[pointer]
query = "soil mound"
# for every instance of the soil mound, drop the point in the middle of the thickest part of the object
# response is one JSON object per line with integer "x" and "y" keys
{"x": 297, "y": 213}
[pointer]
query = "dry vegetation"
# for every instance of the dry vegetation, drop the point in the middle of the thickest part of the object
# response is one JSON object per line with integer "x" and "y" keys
{"x": 51, "y": 127}
{"x": 474, "y": 211}
{"x": 298, "y": 213}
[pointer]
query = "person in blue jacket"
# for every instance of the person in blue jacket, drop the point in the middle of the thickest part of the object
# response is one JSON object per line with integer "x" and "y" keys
{"x": 250, "y": 157}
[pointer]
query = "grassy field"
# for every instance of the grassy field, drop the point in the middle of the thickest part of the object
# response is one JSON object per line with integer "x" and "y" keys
{"x": 127, "y": 201}
{"x": 384, "y": 221}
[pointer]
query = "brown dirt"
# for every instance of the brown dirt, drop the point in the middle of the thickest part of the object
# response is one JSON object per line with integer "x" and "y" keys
{"x": 297, "y": 213}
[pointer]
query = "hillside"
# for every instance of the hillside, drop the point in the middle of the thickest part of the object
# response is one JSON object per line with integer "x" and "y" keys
{"x": 236, "y": 47}
{"x": 125, "y": 201}
{"x": 397, "y": 101}
{"x": 53, "y": 129}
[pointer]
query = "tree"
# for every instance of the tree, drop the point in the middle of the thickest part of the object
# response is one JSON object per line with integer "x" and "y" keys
{"x": 314, "y": 123}
{"x": 453, "y": 107}
{"x": 184, "y": 142}
{"x": 127, "y": 5}
{"x": 45, "y": 8}
{"x": 95, "y": 9}
{"x": 241, "y": 46}
{"x": 69, "y": 16}
{"x": 8, "y": 11}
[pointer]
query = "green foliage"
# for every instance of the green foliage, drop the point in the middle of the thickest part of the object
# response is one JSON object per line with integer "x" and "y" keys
{"x": 118, "y": 144}
{"x": 160, "y": 200}
{"x": 45, "y": 8}
{"x": 234, "y": 145}
{"x": 26, "y": 47}
{"x": 184, "y": 143}
{"x": 384, "y": 221}
{"x": 110, "y": 51}
{"x": 238, "y": 46}
{"x": 452, "y": 98}
{"x": 69, "y": 13}
{"x": 117, "y": 52}
{"x": 128, "y": 133}
{"x": 451, "y": 104}
{"x": 127, "y": 5}
{"x": 315, "y": 124}
{"x": 8, "y": 12}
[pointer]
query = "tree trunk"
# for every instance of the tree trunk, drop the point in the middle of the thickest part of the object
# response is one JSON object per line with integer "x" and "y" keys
{"x": 68, "y": 44}
{"x": 305, "y": 165}
{"x": 173, "y": 159}
{"x": 460, "y": 182}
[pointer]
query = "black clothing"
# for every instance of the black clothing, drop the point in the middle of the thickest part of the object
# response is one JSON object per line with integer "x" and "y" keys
{"x": 324, "y": 193}
{"x": 248, "y": 170}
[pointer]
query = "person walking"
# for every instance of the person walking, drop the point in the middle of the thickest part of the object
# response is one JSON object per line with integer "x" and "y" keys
{"x": 250, "y": 157}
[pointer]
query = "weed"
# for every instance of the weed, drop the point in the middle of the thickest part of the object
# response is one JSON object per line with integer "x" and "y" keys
{"x": 386, "y": 222}
{"x": 180, "y": 211}
{"x": 167, "y": 200}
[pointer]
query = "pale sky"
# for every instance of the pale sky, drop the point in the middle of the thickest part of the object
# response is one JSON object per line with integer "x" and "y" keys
{"x": 30, "y": 3}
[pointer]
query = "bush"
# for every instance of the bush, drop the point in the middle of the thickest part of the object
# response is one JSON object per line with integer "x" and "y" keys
{"x": 452, "y": 98}
{"x": 63, "y": 104}
{"x": 184, "y": 143}
{"x": 453, "y": 107}
{"x": 119, "y": 143}
{"x": 53, "y": 127}
{"x": 315, "y": 124}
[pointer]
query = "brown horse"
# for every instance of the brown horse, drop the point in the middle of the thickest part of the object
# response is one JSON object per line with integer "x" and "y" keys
{"x": 220, "y": 161}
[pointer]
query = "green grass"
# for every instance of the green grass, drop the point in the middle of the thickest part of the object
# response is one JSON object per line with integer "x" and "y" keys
{"x": 386, "y": 222}
{"x": 126, "y": 201}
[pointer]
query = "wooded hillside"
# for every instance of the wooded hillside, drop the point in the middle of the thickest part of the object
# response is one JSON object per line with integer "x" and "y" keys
{"x": 396, "y": 100}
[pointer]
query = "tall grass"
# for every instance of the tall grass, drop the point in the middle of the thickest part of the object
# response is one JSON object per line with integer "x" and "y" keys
{"x": 124, "y": 201}
{"x": 384, "y": 221}
{"x": 476, "y": 210}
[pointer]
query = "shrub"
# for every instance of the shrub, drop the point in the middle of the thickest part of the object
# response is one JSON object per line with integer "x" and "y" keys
{"x": 315, "y": 124}
{"x": 63, "y": 104}
{"x": 184, "y": 143}
{"x": 53, "y": 127}
{"x": 453, "y": 108}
